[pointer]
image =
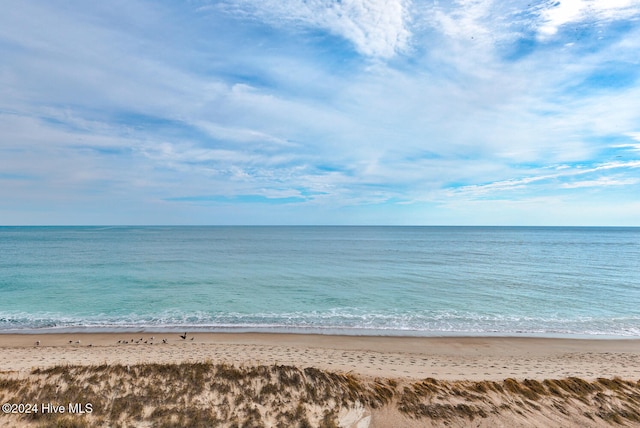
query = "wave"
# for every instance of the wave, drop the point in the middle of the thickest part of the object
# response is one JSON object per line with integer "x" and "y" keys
{"x": 337, "y": 321}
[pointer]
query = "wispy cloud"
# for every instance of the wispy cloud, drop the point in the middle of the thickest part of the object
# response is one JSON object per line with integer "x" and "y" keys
{"x": 320, "y": 111}
{"x": 557, "y": 179}
{"x": 601, "y": 182}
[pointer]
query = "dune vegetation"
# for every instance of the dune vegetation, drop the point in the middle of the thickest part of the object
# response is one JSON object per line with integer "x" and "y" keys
{"x": 207, "y": 394}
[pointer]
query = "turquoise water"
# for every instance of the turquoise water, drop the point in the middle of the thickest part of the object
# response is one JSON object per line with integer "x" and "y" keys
{"x": 353, "y": 280}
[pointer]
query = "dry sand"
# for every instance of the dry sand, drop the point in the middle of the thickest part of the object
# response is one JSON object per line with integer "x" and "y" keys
{"x": 444, "y": 358}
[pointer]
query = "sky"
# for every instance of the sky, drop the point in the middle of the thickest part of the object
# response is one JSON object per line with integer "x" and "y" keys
{"x": 373, "y": 112}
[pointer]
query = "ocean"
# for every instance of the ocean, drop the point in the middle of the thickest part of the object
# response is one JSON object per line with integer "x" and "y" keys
{"x": 410, "y": 281}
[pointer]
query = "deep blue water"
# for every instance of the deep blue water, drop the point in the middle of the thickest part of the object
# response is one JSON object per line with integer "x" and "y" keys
{"x": 354, "y": 280}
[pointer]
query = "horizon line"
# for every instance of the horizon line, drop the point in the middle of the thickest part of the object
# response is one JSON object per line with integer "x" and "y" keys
{"x": 325, "y": 225}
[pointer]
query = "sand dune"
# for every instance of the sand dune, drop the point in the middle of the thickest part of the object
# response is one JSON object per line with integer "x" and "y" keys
{"x": 325, "y": 380}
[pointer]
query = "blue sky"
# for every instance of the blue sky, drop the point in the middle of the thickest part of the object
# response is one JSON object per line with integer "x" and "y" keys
{"x": 320, "y": 112}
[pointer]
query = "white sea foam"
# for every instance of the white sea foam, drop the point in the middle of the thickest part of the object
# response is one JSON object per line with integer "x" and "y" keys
{"x": 335, "y": 322}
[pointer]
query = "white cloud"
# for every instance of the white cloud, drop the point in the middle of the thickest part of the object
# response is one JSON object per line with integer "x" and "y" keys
{"x": 468, "y": 19}
{"x": 615, "y": 165}
{"x": 242, "y": 135}
{"x": 520, "y": 183}
{"x": 97, "y": 102}
{"x": 601, "y": 182}
{"x": 635, "y": 136}
{"x": 570, "y": 11}
{"x": 377, "y": 28}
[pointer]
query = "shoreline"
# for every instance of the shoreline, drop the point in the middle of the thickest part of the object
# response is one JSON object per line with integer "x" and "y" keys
{"x": 446, "y": 358}
{"x": 331, "y": 332}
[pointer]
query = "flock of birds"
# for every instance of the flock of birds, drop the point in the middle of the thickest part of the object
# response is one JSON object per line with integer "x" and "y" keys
{"x": 149, "y": 341}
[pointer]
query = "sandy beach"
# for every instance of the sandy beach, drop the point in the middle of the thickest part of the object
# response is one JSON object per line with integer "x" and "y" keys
{"x": 446, "y": 358}
{"x": 270, "y": 380}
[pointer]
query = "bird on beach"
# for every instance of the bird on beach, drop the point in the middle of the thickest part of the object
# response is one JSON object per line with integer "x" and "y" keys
{"x": 37, "y": 343}
{"x": 164, "y": 340}
{"x": 184, "y": 336}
